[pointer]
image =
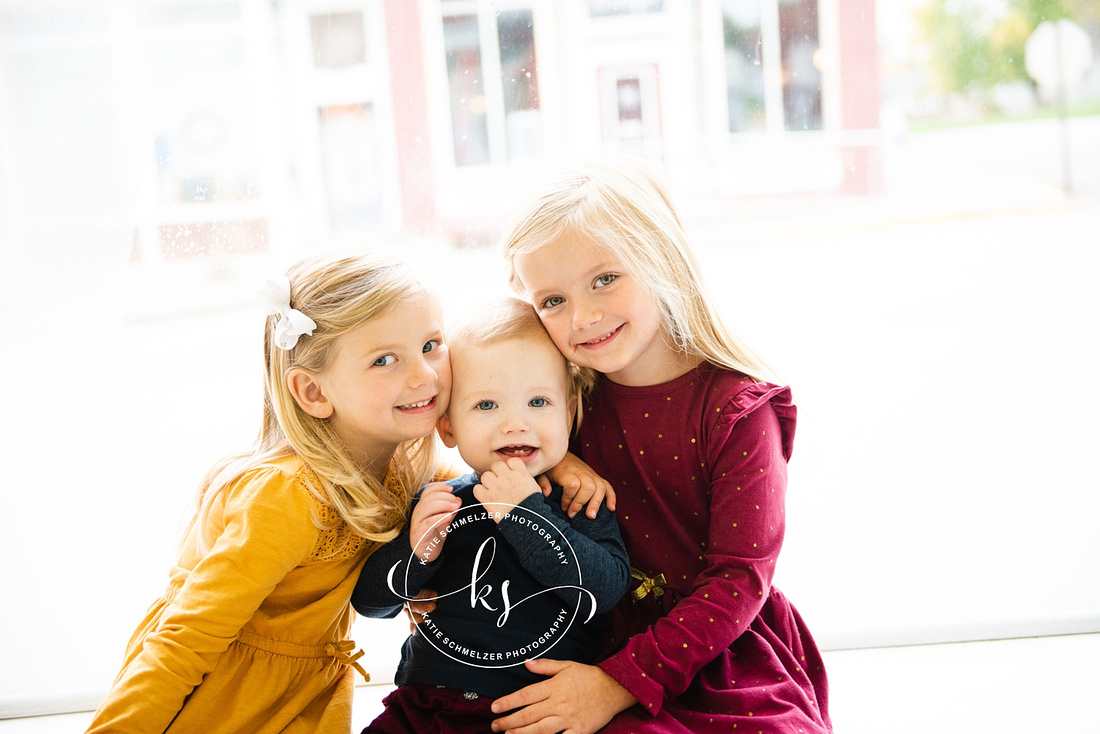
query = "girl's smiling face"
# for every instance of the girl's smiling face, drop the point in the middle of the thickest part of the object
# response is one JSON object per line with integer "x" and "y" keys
{"x": 598, "y": 314}
{"x": 390, "y": 379}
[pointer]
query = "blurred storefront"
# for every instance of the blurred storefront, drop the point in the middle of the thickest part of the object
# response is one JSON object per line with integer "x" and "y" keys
{"x": 213, "y": 128}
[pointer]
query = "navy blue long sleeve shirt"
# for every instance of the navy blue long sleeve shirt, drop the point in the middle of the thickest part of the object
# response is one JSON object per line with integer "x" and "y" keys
{"x": 506, "y": 592}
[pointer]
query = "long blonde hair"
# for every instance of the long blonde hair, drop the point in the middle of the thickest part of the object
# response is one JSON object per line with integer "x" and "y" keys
{"x": 621, "y": 205}
{"x": 339, "y": 292}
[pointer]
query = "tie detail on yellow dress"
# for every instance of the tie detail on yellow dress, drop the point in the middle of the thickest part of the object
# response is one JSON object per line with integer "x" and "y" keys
{"x": 340, "y": 651}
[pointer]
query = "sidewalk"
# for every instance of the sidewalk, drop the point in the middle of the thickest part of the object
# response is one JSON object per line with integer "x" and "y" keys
{"x": 950, "y": 174}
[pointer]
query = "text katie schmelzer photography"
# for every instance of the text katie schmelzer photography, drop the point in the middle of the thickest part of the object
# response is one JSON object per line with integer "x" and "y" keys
{"x": 489, "y": 594}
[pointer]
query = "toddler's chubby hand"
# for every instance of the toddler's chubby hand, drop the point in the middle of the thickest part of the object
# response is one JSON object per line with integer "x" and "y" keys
{"x": 505, "y": 485}
{"x": 436, "y": 509}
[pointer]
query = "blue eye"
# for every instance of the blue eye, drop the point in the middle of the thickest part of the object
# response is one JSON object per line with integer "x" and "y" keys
{"x": 605, "y": 279}
{"x": 553, "y": 301}
{"x": 537, "y": 402}
{"x": 486, "y": 405}
{"x": 431, "y": 346}
{"x": 385, "y": 361}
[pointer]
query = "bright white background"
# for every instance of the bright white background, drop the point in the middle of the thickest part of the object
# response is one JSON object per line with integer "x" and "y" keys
{"x": 942, "y": 340}
{"x": 942, "y": 488}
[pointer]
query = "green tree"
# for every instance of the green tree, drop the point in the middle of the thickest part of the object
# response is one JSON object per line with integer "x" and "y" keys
{"x": 1006, "y": 42}
{"x": 973, "y": 48}
{"x": 1035, "y": 12}
{"x": 957, "y": 33}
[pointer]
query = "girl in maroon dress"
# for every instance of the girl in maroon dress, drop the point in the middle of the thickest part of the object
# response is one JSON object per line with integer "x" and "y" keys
{"x": 684, "y": 424}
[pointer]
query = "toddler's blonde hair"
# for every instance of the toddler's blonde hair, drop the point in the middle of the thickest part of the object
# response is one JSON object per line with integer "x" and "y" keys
{"x": 510, "y": 318}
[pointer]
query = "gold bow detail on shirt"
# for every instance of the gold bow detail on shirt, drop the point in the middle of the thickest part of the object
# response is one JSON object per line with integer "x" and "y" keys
{"x": 340, "y": 651}
{"x": 656, "y": 585}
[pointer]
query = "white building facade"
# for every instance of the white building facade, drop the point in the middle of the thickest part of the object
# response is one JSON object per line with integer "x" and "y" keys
{"x": 216, "y": 128}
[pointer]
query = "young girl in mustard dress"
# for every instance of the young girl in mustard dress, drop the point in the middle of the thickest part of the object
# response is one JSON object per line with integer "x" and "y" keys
{"x": 252, "y": 632}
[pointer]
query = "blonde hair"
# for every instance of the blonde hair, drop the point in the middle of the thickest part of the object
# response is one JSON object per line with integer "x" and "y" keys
{"x": 340, "y": 293}
{"x": 622, "y": 206}
{"x": 505, "y": 319}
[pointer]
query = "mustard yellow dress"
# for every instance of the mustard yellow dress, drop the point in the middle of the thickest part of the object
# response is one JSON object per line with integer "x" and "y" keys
{"x": 252, "y": 636}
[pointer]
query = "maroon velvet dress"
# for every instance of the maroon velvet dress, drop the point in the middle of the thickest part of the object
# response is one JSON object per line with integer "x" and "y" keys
{"x": 703, "y": 640}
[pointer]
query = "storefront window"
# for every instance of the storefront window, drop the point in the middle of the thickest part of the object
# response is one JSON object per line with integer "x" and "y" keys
{"x": 744, "y": 65}
{"x": 337, "y": 40}
{"x": 500, "y": 120}
{"x": 519, "y": 78}
{"x": 352, "y": 170}
{"x": 196, "y": 99}
{"x": 466, "y": 80}
{"x": 598, "y": 8}
{"x": 801, "y": 59}
{"x": 773, "y": 79}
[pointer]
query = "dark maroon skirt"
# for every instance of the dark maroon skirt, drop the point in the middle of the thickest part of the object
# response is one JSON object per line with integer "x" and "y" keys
{"x": 424, "y": 709}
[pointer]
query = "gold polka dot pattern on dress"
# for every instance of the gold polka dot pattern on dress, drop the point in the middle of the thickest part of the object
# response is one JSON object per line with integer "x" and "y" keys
{"x": 690, "y": 492}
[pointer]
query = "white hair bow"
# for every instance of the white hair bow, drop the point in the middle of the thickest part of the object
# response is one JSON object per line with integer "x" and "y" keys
{"x": 292, "y": 323}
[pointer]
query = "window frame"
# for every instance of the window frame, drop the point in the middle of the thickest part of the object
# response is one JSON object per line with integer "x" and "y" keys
{"x": 491, "y": 69}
